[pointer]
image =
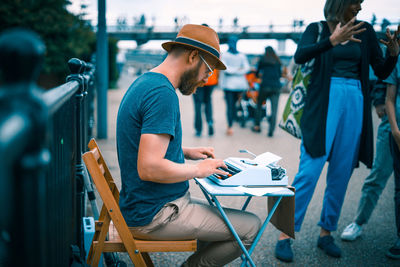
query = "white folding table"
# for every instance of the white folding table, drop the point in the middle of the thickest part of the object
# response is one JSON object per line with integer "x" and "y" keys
{"x": 211, "y": 190}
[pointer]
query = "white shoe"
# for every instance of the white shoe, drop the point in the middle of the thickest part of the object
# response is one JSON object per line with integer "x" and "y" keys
{"x": 351, "y": 232}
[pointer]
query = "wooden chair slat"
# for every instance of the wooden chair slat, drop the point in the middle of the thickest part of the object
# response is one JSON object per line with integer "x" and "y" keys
{"x": 96, "y": 153}
{"x": 102, "y": 168}
{"x": 151, "y": 246}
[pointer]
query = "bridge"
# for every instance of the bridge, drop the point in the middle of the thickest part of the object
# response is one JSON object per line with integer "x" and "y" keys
{"x": 143, "y": 34}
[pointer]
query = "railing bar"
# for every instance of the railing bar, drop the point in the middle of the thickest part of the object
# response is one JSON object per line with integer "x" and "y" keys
{"x": 13, "y": 132}
{"x": 56, "y": 97}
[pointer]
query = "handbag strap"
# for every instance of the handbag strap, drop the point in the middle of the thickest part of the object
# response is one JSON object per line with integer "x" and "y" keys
{"x": 320, "y": 27}
{"x": 307, "y": 67}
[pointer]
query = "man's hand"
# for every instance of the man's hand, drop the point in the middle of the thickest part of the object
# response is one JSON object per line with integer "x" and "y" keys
{"x": 380, "y": 110}
{"x": 195, "y": 153}
{"x": 346, "y": 32}
{"x": 210, "y": 166}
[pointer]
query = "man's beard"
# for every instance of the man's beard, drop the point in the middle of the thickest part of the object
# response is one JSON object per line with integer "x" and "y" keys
{"x": 189, "y": 82}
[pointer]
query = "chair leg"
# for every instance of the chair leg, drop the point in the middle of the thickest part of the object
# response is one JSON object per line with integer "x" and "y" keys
{"x": 147, "y": 259}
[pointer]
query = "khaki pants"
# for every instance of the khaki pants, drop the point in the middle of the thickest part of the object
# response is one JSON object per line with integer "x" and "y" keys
{"x": 188, "y": 218}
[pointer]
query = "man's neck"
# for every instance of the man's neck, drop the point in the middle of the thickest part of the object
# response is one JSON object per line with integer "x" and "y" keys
{"x": 171, "y": 69}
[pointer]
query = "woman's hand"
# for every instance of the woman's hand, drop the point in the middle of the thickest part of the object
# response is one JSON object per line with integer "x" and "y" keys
{"x": 380, "y": 110}
{"x": 346, "y": 32}
{"x": 392, "y": 42}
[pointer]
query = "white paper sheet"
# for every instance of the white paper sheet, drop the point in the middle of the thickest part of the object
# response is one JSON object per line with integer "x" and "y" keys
{"x": 258, "y": 191}
{"x": 267, "y": 158}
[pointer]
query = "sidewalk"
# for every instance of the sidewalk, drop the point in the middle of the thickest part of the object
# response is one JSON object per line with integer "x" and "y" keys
{"x": 369, "y": 250}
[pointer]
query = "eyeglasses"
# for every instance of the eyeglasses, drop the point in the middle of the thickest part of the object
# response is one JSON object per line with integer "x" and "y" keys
{"x": 210, "y": 71}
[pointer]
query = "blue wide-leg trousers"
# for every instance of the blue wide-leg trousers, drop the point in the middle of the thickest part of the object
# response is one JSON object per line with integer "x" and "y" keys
{"x": 343, "y": 130}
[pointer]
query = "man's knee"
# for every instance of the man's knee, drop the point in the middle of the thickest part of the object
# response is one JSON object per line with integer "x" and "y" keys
{"x": 254, "y": 224}
{"x": 371, "y": 186}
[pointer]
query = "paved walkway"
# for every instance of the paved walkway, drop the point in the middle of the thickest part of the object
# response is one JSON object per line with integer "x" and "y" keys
{"x": 379, "y": 234}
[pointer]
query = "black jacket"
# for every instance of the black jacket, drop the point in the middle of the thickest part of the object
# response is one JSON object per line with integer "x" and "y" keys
{"x": 313, "y": 121}
{"x": 270, "y": 74}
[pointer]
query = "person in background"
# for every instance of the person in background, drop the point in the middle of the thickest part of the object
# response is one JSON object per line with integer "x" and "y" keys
{"x": 202, "y": 97}
{"x": 233, "y": 80}
{"x": 121, "y": 59}
{"x": 336, "y": 124}
{"x": 270, "y": 70}
{"x": 154, "y": 199}
{"x": 393, "y": 113}
{"x": 291, "y": 71}
{"x": 382, "y": 167}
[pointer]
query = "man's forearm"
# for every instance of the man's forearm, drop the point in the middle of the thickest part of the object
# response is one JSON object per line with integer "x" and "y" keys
{"x": 166, "y": 171}
{"x": 185, "y": 152}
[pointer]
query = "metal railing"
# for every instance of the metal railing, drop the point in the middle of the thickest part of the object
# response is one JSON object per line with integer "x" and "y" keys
{"x": 42, "y": 137}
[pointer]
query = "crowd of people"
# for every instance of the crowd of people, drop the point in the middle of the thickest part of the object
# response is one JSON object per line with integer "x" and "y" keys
{"x": 246, "y": 91}
{"x": 336, "y": 127}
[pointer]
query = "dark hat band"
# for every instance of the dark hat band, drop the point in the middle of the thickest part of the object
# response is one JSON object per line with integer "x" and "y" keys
{"x": 198, "y": 44}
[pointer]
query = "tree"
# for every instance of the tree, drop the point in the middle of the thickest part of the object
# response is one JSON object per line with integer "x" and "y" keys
{"x": 66, "y": 35}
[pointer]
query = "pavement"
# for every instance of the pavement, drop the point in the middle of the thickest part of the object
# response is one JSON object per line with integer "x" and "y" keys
{"x": 369, "y": 250}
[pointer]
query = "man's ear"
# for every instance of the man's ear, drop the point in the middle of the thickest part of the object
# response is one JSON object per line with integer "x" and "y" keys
{"x": 192, "y": 56}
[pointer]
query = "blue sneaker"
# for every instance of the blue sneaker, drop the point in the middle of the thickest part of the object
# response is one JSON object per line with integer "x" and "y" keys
{"x": 210, "y": 129}
{"x": 283, "y": 250}
{"x": 394, "y": 252}
{"x": 327, "y": 244}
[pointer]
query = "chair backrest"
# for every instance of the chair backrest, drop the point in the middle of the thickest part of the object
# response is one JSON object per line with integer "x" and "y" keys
{"x": 120, "y": 239}
{"x": 95, "y": 150}
{"x": 110, "y": 211}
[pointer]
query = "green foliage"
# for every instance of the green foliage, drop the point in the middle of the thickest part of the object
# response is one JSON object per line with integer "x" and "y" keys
{"x": 65, "y": 35}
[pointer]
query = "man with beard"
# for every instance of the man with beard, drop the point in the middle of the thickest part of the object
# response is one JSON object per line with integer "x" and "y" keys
{"x": 154, "y": 198}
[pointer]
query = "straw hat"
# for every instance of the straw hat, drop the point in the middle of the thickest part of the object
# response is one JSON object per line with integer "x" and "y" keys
{"x": 199, "y": 37}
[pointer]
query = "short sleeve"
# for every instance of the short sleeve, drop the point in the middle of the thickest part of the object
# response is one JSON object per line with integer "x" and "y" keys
{"x": 160, "y": 112}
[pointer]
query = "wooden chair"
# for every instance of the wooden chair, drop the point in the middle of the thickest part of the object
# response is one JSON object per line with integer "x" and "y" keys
{"x": 112, "y": 223}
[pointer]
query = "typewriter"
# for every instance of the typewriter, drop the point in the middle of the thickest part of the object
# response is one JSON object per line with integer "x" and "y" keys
{"x": 248, "y": 172}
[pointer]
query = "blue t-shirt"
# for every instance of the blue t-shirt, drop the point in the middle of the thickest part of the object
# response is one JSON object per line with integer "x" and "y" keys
{"x": 394, "y": 79}
{"x": 150, "y": 106}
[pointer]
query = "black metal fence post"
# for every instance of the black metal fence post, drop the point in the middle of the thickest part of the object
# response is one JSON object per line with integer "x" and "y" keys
{"x": 78, "y": 67}
{"x": 89, "y": 103}
{"x": 42, "y": 137}
{"x": 23, "y": 156}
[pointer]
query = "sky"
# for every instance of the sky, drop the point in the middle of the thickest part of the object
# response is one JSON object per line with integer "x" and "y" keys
{"x": 254, "y": 13}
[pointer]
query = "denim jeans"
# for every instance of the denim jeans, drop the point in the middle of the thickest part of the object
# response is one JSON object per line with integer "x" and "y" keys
{"x": 394, "y": 149}
{"x": 231, "y": 97}
{"x": 202, "y": 96}
{"x": 381, "y": 170}
{"x": 274, "y": 98}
